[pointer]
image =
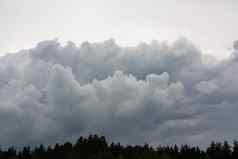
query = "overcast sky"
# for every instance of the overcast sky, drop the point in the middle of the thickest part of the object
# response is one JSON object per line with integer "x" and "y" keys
{"x": 156, "y": 92}
{"x": 210, "y": 24}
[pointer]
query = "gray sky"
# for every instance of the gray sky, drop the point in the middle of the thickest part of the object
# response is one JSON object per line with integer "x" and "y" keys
{"x": 210, "y": 24}
{"x": 163, "y": 93}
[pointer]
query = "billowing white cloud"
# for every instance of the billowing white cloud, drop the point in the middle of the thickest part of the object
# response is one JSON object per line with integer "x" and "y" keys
{"x": 206, "y": 87}
{"x": 156, "y": 93}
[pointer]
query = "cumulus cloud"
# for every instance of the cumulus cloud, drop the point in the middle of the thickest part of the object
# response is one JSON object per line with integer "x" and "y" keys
{"x": 156, "y": 93}
{"x": 206, "y": 87}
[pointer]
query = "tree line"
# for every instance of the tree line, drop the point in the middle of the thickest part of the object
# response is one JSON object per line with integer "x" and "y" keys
{"x": 96, "y": 147}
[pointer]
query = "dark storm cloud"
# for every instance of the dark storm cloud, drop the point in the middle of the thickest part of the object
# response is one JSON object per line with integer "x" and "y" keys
{"x": 156, "y": 93}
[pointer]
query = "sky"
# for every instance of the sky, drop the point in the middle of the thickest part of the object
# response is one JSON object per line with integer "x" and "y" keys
{"x": 210, "y": 24}
{"x": 135, "y": 71}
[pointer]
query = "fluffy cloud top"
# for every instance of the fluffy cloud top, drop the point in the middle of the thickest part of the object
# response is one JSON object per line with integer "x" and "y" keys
{"x": 156, "y": 93}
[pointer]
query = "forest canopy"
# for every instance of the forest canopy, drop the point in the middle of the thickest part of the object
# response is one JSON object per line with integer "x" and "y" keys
{"x": 97, "y": 147}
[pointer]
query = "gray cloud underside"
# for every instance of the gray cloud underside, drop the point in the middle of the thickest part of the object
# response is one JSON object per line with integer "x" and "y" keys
{"x": 155, "y": 93}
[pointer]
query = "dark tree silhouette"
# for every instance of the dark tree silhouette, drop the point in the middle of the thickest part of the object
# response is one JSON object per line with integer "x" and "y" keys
{"x": 96, "y": 147}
